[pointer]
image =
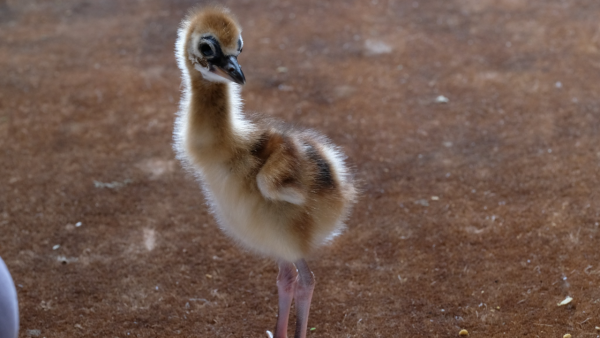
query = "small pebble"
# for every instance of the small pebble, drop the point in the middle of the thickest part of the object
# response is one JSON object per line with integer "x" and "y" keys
{"x": 568, "y": 335}
{"x": 565, "y": 301}
{"x": 441, "y": 99}
{"x": 285, "y": 88}
{"x": 78, "y": 224}
{"x": 56, "y": 247}
{"x": 463, "y": 332}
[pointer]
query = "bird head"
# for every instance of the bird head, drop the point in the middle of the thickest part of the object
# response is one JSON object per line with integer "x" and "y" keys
{"x": 212, "y": 43}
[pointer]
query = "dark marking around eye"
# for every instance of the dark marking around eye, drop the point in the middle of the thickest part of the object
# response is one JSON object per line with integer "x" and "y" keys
{"x": 206, "y": 50}
{"x": 216, "y": 52}
{"x": 240, "y": 45}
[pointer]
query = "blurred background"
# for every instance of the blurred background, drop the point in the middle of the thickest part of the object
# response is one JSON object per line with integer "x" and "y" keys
{"x": 473, "y": 126}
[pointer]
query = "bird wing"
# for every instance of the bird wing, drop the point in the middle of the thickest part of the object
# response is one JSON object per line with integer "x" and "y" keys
{"x": 280, "y": 176}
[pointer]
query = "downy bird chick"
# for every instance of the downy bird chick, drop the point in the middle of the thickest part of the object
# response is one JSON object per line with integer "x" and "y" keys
{"x": 277, "y": 190}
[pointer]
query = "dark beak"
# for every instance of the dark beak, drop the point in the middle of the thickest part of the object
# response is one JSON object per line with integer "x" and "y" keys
{"x": 230, "y": 69}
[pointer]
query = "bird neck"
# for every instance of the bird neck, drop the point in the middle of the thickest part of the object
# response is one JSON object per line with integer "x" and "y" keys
{"x": 211, "y": 116}
{"x": 210, "y": 105}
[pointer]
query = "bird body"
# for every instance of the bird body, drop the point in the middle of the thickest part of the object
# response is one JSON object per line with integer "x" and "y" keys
{"x": 276, "y": 189}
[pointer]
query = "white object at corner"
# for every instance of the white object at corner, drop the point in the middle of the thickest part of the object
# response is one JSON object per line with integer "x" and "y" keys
{"x": 9, "y": 306}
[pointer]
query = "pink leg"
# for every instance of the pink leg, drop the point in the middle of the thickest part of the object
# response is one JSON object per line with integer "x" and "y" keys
{"x": 286, "y": 284}
{"x": 303, "y": 296}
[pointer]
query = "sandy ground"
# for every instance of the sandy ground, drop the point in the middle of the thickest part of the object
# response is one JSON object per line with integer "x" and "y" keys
{"x": 479, "y": 213}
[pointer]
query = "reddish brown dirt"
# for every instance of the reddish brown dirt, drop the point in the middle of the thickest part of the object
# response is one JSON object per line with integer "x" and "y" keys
{"x": 88, "y": 92}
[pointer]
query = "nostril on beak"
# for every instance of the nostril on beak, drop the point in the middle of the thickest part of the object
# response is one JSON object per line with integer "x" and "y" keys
{"x": 230, "y": 68}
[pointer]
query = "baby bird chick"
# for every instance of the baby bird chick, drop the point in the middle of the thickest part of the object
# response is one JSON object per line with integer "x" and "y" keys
{"x": 276, "y": 189}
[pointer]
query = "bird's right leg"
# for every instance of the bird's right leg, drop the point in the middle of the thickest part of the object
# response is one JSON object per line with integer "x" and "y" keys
{"x": 286, "y": 286}
{"x": 303, "y": 296}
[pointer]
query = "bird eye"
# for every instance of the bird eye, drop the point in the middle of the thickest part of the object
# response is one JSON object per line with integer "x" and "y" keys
{"x": 206, "y": 50}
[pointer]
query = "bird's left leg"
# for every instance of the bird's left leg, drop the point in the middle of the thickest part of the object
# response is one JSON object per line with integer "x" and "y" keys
{"x": 286, "y": 285}
{"x": 303, "y": 296}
